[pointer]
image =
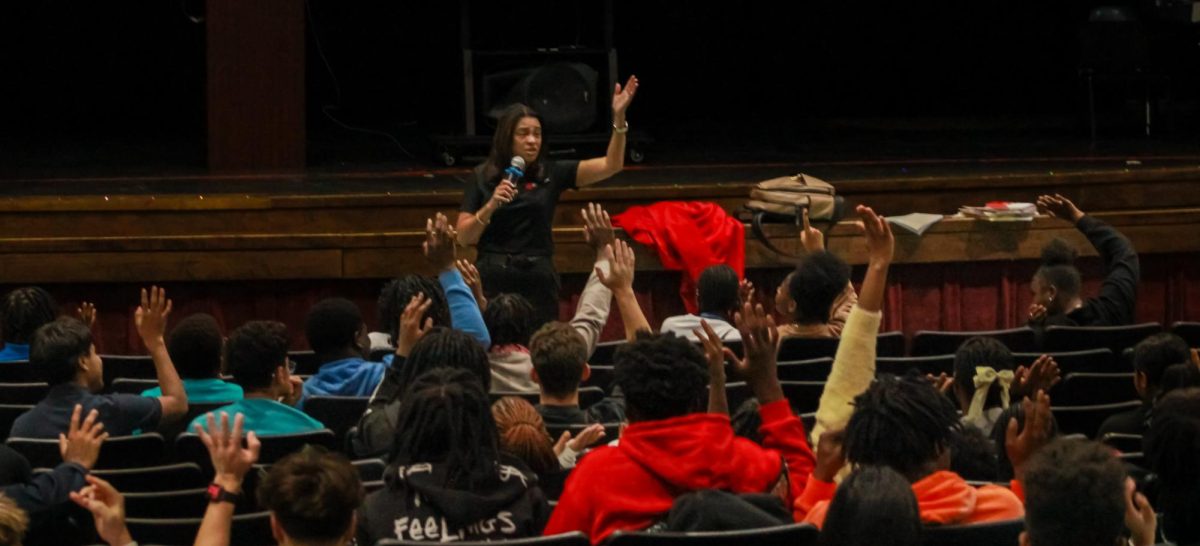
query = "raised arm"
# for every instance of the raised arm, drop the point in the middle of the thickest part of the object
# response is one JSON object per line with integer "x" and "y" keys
{"x": 151, "y": 320}
{"x": 854, "y": 364}
{"x": 440, "y": 251}
{"x": 591, "y": 171}
{"x": 596, "y": 300}
{"x": 230, "y": 463}
{"x": 620, "y": 281}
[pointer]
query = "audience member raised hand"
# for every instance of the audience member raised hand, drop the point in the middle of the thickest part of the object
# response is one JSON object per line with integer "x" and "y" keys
{"x": 1040, "y": 376}
{"x": 151, "y": 316}
{"x": 81, "y": 444}
{"x": 474, "y": 282}
{"x": 760, "y": 339}
{"x": 107, "y": 506}
{"x": 439, "y": 245}
{"x": 597, "y": 228}
{"x": 1035, "y": 434}
{"x": 412, "y": 327}
{"x": 1059, "y": 207}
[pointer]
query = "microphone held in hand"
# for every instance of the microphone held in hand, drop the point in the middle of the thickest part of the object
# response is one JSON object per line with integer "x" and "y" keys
{"x": 515, "y": 170}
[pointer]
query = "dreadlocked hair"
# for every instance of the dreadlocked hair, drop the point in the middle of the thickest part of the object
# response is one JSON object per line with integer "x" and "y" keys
{"x": 510, "y": 319}
{"x": 1058, "y": 267}
{"x": 449, "y": 348}
{"x": 901, "y": 422}
{"x": 445, "y": 417}
{"x": 661, "y": 375}
{"x": 396, "y": 294}
{"x": 24, "y": 310}
{"x": 1172, "y": 448}
{"x": 523, "y": 434}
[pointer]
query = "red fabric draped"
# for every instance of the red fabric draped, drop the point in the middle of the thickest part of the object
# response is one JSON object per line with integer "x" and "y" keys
{"x": 688, "y": 236}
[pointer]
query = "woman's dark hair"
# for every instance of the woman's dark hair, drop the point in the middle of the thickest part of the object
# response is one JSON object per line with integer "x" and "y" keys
{"x": 510, "y": 319}
{"x": 195, "y": 347}
{"x": 873, "y": 505}
{"x": 24, "y": 310}
{"x": 448, "y": 348}
{"x": 502, "y": 148}
{"x": 446, "y": 417}
{"x": 1058, "y": 268}
{"x": 980, "y": 351}
{"x": 313, "y": 494}
{"x": 717, "y": 290}
{"x": 1004, "y": 469}
{"x": 1172, "y": 449}
{"x": 254, "y": 351}
{"x": 523, "y": 434}
{"x": 661, "y": 375}
{"x": 903, "y": 423}
{"x": 816, "y": 284}
{"x": 56, "y": 348}
{"x": 396, "y": 294}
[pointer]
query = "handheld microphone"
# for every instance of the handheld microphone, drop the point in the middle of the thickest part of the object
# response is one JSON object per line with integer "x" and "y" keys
{"x": 515, "y": 170}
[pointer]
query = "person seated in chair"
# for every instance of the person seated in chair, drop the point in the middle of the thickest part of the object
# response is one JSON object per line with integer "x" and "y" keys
{"x": 195, "y": 346}
{"x": 22, "y": 312}
{"x": 338, "y": 337}
{"x": 1056, "y": 287}
{"x": 717, "y": 297}
{"x": 674, "y": 446}
{"x": 257, "y": 356}
{"x": 64, "y": 353}
{"x": 815, "y": 300}
{"x": 1151, "y": 358}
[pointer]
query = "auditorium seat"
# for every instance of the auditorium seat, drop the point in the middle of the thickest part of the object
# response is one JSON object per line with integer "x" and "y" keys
{"x": 1000, "y": 533}
{"x": 737, "y": 392}
{"x": 603, "y": 354}
{"x": 189, "y": 448}
{"x": 1125, "y": 443}
{"x": 1189, "y": 331}
{"x": 804, "y": 348}
{"x": 796, "y": 534}
{"x": 1082, "y": 388}
{"x": 139, "y": 451}
{"x": 156, "y": 478}
{"x": 248, "y": 530}
{"x": 1086, "y": 420}
{"x": 9, "y": 414}
{"x": 184, "y": 503}
{"x": 1090, "y": 361}
{"x": 306, "y": 362}
{"x": 337, "y": 413}
{"x": 804, "y": 370}
{"x": 924, "y": 364}
{"x": 130, "y": 366}
{"x": 19, "y": 371}
{"x": 890, "y": 344}
{"x": 930, "y": 343}
{"x": 370, "y": 469}
{"x": 23, "y": 393}
{"x": 601, "y": 376}
{"x": 127, "y": 385}
{"x": 1113, "y": 338}
{"x": 804, "y": 396}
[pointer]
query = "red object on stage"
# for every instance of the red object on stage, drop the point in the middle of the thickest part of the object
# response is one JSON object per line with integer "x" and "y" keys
{"x": 688, "y": 236}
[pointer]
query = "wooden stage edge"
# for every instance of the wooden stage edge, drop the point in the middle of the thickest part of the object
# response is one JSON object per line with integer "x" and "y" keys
{"x": 367, "y": 235}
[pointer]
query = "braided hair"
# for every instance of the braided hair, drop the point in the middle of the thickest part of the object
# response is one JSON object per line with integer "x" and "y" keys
{"x": 523, "y": 434}
{"x": 446, "y": 347}
{"x": 445, "y": 417}
{"x": 661, "y": 375}
{"x": 396, "y": 294}
{"x": 24, "y": 310}
{"x": 903, "y": 423}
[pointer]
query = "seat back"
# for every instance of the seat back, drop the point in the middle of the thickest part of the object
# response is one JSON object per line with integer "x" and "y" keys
{"x": 589, "y": 396}
{"x": 1113, "y": 338}
{"x": 370, "y": 470}
{"x": 1081, "y": 388}
{"x": 1001, "y": 533}
{"x": 138, "y": 451}
{"x": 156, "y": 478}
{"x": 126, "y": 385}
{"x": 23, "y": 393}
{"x": 1125, "y": 443}
{"x": 9, "y": 414}
{"x": 1092, "y": 360}
{"x": 931, "y": 342}
{"x": 603, "y": 353}
{"x": 601, "y": 376}
{"x": 1086, "y": 420}
{"x": 19, "y": 371}
{"x": 890, "y": 344}
{"x": 1189, "y": 331}
{"x": 306, "y": 362}
{"x": 189, "y": 448}
{"x": 796, "y": 534}
{"x": 337, "y": 413}
{"x": 172, "y": 430}
{"x": 129, "y": 366}
{"x": 924, "y": 364}
{"x": 248, "y": 530}
{"x": 574, "y": 538}
{"x": 184, "y": 503}
{"x": 804, "y": 396}
{"x": 807, "y": 348}
{"x": 804, "y": 370}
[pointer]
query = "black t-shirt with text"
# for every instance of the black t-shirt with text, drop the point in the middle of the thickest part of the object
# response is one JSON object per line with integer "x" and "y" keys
{"x": 522, "y": 226}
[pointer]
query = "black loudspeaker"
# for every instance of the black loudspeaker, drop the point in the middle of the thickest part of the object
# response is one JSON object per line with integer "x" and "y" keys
{"x": 565, "y": 94}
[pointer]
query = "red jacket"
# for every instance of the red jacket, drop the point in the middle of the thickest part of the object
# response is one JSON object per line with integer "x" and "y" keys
{"x": 631, "y": 486}
{"x": 688, "y": 236}
{"x": 943, "y": 498}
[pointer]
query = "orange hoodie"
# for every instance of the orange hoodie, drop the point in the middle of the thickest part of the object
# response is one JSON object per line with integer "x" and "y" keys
{"x": 943, "y": 498}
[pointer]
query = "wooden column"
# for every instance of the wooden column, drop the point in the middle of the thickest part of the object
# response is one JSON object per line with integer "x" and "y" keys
{"x": 256, "y": 110}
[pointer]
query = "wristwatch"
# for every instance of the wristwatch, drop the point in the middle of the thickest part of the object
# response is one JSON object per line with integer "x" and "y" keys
{"x": 217, "y": 494}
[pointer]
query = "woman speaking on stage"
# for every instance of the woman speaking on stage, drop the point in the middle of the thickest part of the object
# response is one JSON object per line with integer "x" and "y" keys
{"x": 508, "y": 208}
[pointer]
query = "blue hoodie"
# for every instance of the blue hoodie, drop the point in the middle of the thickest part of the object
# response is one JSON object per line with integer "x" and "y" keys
{"x": 346, "y": 377}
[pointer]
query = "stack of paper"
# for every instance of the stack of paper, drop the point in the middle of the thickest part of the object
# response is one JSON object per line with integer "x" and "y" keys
{"x": 1001, "y": 211}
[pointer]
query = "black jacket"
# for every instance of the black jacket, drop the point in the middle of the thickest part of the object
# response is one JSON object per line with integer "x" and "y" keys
{"x": 417, "y": 505}
{"x": 1117, "y": 301}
